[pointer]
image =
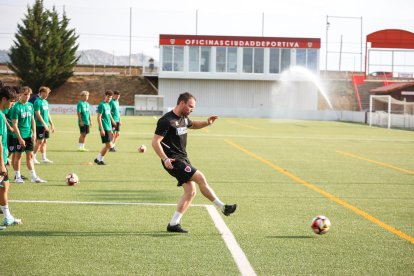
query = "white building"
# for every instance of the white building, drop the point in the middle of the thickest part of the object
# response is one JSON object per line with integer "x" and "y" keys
{"x": 239, "y": 76}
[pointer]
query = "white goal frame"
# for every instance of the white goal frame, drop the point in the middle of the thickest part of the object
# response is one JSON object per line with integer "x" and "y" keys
{"x": 398, "y": 119}
{"x": 371, "y": 100}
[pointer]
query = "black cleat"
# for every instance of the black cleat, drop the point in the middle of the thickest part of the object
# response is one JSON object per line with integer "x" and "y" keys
{"x": 176, "y": 228}
{"x": 99, "y": 162}
{"x": 112, "y": 149}
{"x": 229, "y": 209}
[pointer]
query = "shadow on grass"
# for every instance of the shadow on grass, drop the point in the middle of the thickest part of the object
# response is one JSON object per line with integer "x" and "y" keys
{"x": 129, "y": 195}
{"x": 290, "y": 237}
{"x": 155, "y": 234}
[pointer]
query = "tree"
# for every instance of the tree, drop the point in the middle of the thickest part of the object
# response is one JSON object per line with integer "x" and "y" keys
{"x": 44, "y": 50}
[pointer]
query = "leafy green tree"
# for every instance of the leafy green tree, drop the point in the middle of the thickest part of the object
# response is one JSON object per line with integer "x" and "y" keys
{"x": 44, "y": 50}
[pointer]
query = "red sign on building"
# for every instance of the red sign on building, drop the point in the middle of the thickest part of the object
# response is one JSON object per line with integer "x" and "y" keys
{"x": 240, "y": 41}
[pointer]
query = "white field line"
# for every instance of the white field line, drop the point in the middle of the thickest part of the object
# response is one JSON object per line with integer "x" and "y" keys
{"x": 327, "y": 138}
{"x": 239, "y": 257}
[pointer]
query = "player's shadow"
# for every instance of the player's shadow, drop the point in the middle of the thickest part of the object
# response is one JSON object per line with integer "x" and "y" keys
{"x": 289, "y": 237}
{"x": 154, "y": 234}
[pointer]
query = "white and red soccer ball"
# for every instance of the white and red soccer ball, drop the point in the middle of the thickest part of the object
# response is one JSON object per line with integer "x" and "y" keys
{"x": 72, "y": 179}
{"x": 142, "y": 149}
{"x": 320, "y": 225}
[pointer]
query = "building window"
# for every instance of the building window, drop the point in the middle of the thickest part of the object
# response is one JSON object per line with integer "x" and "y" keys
{"x": 173, "y": 58}
{"x": 232, "y": 60}
{"x": 258, "y": 60}
{"x": 178, "y": 58}
{"x": 285, "y": 60}
{"x": 301, "y": 57}
{"x": 247, "y": 60}
{"x": 274, "y": 59}
{"x": 199, "y": 59}
{"x": 312, "y": 60}
{"x": 221, "y": 59}
{"x": 194, "y": 59}
{"x": 205, "y": 59}
{"x": 226, "y": 59}
{"x": 167, "y": 58}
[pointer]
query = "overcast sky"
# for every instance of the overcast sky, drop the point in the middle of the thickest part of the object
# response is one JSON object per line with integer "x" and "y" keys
{"x": 105, "y": 25}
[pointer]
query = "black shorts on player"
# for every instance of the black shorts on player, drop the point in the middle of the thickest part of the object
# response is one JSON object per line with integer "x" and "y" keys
{"x": 182, "y": 171}
{"x": 107, "y": 138}
{"x": 19, "y": 148}
{"x": 84, "y": 129}
{"x": 41, "y": 133}
{"x": 116, "y": 127}
{"x": 10, "y": 144}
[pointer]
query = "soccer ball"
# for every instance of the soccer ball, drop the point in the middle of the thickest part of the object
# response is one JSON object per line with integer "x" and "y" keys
{"x": 72, "y": 179}
{"x": 320, "y": 225}
{"x": 142, "y": 149}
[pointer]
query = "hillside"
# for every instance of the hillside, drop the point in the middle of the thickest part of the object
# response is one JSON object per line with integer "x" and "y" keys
{"x": 99, "y": 57}
{"x": 96, "y": 85}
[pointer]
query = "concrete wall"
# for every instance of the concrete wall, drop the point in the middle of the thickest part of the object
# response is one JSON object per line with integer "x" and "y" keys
{"x": 242, "y": 98}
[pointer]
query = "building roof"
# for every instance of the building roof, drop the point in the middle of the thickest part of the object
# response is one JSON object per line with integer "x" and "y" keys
{"x": 386, "y": 89}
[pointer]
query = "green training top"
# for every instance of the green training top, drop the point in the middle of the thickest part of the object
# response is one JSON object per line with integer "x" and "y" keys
{"x": 3, "y": 133}
{"x": 83, "y": 109}
{"x": 114, "y": 104}
{"x": 42, "y": 105}
{"x": 23, "y": 113}
{"x": 105, "y": 110}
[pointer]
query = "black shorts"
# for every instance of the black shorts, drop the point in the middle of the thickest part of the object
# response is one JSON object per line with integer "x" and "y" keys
{"x": 182, "y": 171}
{"x": 41, "y": 133}
{"x": 107, "y": 138}
{"x": 116, "y": 127}
{"x": 84, "y": 129}
{"x": 18, "y": 148}
{"x": 10, "y": 143}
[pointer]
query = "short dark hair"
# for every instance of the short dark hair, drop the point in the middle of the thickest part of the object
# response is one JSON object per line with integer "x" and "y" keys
{"x": 116, "y": 92}
{"x": 17, "y": 89}
{"x": 185, "y": 97}
{"x": 8, "y": 92}
{"x": 109, "y": 93}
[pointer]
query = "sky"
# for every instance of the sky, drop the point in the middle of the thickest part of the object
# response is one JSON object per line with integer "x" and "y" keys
{"x": 107, "y": 25}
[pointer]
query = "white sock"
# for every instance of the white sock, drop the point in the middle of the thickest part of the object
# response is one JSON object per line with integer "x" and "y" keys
{"x": 33, "y": 174}
{"x": 99, "y": 157}
{"x": 44, "y": 156}
{"x": 176, "y": 218}
{"x": 17, "y": 174}
{"x": 6, "y": 211}
{"x": 81, "y": 146}
{"x": 219, "y": 204}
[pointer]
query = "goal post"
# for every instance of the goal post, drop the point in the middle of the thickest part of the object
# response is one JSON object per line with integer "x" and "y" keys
{"x": 386, "y": 111}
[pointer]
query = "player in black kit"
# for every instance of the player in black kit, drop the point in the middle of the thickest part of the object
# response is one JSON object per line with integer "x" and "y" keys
{"x": 169, "y": 142}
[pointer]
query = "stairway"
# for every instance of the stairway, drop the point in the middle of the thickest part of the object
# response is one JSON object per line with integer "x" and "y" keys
{"x": 364, "y": 92}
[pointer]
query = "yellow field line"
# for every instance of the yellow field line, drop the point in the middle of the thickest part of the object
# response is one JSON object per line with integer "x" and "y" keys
{"x": 373, "y": 161}
{"x": 324, "y": 193}
{"x": 243, "y": 125}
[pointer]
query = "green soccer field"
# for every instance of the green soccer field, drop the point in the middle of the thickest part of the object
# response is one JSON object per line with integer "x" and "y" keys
{"x": 280, "y": 173}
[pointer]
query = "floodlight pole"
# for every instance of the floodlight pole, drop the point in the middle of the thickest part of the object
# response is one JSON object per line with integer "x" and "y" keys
{"x": 326, "y": 52}
{"x": 130, "y": 38}
{"x": 262, "y": 24}
{"x": 196, "y": 23}
{"x": 327, "y": 27}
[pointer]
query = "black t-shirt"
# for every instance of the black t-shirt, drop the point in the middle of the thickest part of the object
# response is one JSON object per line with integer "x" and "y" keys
{"x": 174, "y": 130}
